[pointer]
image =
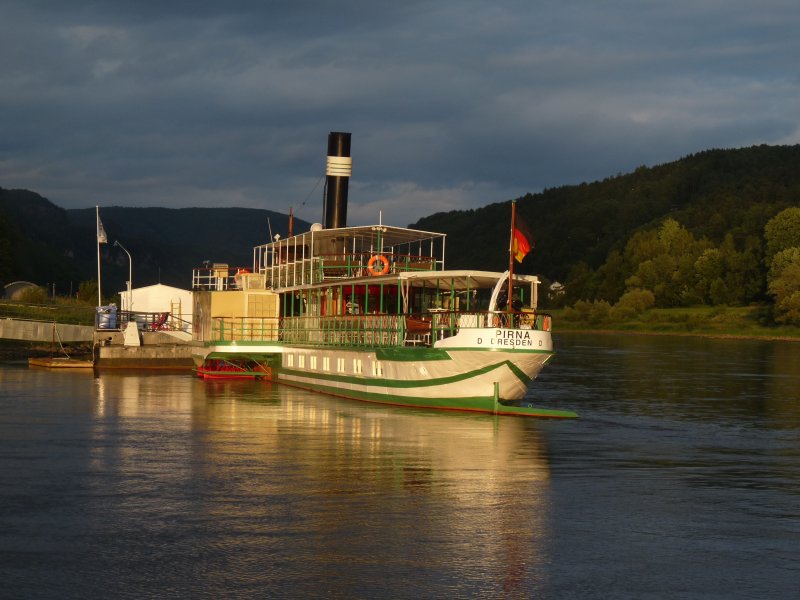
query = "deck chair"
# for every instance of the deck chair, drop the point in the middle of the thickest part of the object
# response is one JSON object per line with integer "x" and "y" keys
{"x": 160, "y": 323}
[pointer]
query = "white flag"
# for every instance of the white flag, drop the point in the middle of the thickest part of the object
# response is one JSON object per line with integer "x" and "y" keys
{"x": 101, "y": 233}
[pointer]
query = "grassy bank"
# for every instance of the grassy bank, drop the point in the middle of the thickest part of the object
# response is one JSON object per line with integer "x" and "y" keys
{"x": 60, "y": 310}
{"x": 739, "y": 321}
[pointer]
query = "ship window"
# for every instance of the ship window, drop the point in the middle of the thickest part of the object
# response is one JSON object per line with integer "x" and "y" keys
{"x": 290, "y": 360}
{"x": 313, "y": 363}
{"x": 340, "y": 365}
{"x": 301, "y": 361}
{"x": 358, "y": 368}
{"x": 326, "y": 363}
{"x": 377, "y": 368}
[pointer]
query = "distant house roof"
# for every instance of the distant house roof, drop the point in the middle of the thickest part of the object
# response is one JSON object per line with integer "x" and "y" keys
{"x": 13, "y": 289}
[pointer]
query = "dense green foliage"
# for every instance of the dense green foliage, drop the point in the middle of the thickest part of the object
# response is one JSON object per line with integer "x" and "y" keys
{"x": 690, "y": 232}
{"x": 673, "y": 269}
{"x": 783, "y": 259}
{"x": 676, "y": 268}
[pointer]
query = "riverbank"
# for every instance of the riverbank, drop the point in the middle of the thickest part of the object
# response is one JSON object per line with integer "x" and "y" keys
{"x": 11, "y": 351}
{"x": 740, "y": 322}
{"x": 732, "y": 336}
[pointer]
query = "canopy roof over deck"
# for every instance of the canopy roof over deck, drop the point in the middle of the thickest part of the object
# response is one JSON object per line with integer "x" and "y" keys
{"x": 455, "y": 279}
{"x": 322, "y": 253}
{"x": 461, "y": 279}
{"x": 363, "y": 236}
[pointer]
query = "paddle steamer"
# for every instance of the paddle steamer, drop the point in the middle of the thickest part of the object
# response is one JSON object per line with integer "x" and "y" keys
{"x": 372, "y": 313}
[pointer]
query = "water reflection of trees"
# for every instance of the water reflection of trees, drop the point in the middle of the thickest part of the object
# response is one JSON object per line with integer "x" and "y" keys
{"x": 684, "y": 377}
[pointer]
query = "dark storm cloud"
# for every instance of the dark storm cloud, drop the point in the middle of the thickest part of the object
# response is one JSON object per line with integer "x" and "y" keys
{"x": 451, "y": 104}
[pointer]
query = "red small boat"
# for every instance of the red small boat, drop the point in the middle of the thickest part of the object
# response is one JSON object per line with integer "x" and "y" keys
{"x": 226, "y": 368}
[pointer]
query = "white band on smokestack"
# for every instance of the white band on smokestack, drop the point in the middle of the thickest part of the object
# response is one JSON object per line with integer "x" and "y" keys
{"x": 339, "y": 166}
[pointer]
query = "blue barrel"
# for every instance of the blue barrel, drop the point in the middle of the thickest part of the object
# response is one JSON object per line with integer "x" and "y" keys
{"x": 107, "y": 317}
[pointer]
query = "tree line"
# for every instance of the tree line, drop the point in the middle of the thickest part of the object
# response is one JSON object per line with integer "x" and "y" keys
{"x": 690, "y": 232}
{"x": 698, "y": 230}
{"x": 667, "y": 266}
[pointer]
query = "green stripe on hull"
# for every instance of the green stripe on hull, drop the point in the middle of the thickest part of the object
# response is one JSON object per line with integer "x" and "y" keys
{"x": 410, "y": 383}
{"x": 260, "y": 356}
{"x": 472, "y": 404}
{"x": 411, "y": 354}
{"x": 389, "y": 391}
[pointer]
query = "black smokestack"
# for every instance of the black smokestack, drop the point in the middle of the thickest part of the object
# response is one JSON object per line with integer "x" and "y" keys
{"x": 340, "y": 166}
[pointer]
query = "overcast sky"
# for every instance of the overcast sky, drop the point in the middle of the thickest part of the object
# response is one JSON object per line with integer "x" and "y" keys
{"x": 451, "y": 103}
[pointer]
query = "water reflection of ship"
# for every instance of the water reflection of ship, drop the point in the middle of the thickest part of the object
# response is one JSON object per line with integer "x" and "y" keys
{"x": 351, "y": 485}
{"x": 471, "y": 481}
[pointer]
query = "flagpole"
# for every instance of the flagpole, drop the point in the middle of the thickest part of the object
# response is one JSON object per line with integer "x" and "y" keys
{"x": 97, "y": 239}
{"x": 511, "y": 255}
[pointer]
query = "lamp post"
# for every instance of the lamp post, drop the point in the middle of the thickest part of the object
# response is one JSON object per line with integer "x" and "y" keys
{"x": 130, "y": 274}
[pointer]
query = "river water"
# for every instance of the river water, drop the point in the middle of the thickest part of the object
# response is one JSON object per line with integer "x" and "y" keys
{"x": 680, "y": 480}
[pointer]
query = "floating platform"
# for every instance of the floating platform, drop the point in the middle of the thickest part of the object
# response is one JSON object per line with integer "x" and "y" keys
{"x": 167, "y": 356}
{"x": 60, "y": 363}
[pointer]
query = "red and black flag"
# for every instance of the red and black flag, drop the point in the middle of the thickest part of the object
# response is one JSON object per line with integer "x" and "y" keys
{"x": 521, "y": 239}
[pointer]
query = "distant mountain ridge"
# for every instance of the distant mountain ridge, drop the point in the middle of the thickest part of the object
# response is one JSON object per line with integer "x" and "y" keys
{"x": 711, "y": 193}
{"x": 53, "y": 245}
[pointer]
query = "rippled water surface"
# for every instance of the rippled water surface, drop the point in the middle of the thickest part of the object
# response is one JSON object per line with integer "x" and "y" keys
{"x": 681, "y": 479}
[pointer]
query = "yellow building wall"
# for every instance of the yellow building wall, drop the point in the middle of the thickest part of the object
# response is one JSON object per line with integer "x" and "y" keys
{"x": 248, "y": 314}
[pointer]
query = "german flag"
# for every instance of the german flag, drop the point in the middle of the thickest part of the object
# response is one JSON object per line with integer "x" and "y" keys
{"x": 521, "y": 239}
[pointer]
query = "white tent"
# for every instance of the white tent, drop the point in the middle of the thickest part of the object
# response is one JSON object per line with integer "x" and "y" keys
{"x": 159, "y": 298}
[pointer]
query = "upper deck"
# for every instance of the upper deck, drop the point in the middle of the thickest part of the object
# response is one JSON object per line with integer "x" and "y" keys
{"x": 321, "y": 255}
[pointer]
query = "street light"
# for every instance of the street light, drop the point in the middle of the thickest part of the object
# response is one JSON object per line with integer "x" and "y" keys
{"x": 130, "y": 275}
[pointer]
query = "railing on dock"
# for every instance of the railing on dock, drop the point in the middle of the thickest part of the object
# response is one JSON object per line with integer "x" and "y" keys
{"x": 118, "y": 320}
{"x": 379, "y": 330}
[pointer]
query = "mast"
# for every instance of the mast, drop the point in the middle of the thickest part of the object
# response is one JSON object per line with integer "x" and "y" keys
{"x": 98, "y": 230}
{"x": 511, "y": 255}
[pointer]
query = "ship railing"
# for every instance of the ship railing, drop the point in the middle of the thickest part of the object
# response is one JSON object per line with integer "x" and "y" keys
{"x": 252, "y": 329}
{"x": 518, "y": 319}
{"x": 344, "y": 266}
{"x": 340, "y": 330}
{"x": 372, "y": 330}
{"x": 381, "y": 330}
{"x": 327, "y": 267}
{"x": 305, "y": 271}
{"x": 219, "y": 277}
{"x": 437, "y": 324}
{"x": 295, "y": 272}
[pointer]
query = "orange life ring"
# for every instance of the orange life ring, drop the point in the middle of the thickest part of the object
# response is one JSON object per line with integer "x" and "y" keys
{"x": 373, "y": 260}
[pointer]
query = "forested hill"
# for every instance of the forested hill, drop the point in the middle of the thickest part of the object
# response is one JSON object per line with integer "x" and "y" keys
{"x": 717, "y": 196}
{"x": 711, "y": 194}
{"x": 43, "y": 243}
